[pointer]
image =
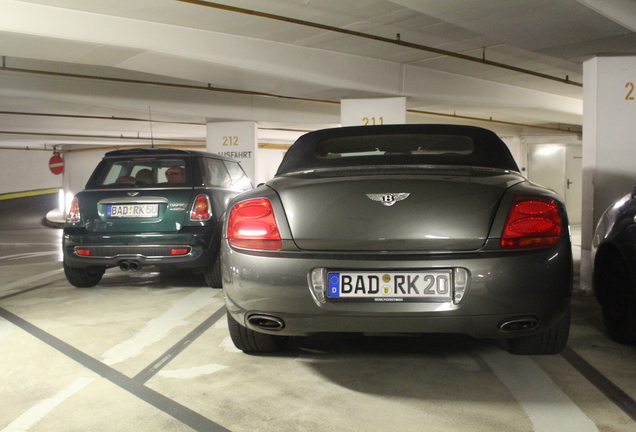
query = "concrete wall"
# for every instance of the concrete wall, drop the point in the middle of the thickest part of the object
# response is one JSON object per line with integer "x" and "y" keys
{"x": 22, "y": 170}
{"x": 81, "y": 166}
{"x": 609, "y": 138}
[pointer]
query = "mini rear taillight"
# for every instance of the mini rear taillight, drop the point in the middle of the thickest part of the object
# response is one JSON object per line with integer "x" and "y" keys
{"x": 83, "y": 252}
{"x": 201, "y": 209}
{"x": 73, "y": 213}
{"x": 180, "y": 251}
{"x": 252, "y": 225}
{"x": 532, "y": 222}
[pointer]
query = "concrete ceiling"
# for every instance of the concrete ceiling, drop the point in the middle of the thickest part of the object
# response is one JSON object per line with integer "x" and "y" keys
{"x": 93, "y": 72}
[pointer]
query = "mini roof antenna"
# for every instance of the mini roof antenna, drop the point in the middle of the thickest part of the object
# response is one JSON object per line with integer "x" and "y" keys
{"x": 152, "y": 138}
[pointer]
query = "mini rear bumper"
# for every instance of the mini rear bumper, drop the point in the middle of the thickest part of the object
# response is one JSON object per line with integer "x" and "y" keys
{"x": 508, "y": 293}
{"x": 182, "y": 250}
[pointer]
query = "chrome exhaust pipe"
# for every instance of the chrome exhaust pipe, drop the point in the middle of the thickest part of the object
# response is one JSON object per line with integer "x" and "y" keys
{"x": 266, "y": 322}
{"x": 124, "y": 265}
{"x": 134, "y": 266}
{"x": 519, "y": 324}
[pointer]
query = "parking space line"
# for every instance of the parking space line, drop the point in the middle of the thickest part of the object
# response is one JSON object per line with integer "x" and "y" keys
{"x": 180, "y": 412}
{"x": 31, "y": 279}
{"x": 37, "y": 412}
{"x": 158, "y": 328}
{"x": 37, "y": 287}
{"x": 547, "y": 406}
{"x": 27, "y": 255}
{"x": 152, "y": 369}
{"x": 600, "y": 381}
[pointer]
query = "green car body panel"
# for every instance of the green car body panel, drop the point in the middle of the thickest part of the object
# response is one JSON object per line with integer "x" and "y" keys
{"x": 131, "y": 223}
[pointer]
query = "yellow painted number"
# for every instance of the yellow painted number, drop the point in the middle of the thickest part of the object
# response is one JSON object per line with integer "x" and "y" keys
{"x": 230, "y": 141}
{"x": 630, "y": 90}
{"x": 372, "y": 120}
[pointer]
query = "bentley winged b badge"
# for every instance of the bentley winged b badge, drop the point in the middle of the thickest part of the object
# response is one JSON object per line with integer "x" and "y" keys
{"x": 388, "y": 199}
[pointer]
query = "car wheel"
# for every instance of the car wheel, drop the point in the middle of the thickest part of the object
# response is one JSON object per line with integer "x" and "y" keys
{"x": 250, "y": 341}
{"x": 212, "y": 274}
{"x": 551, "y": 341}
{"x": 618, "y": 302}
{"x": 83, "y": 277}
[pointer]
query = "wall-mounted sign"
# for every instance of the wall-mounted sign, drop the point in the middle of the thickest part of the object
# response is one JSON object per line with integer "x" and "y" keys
{"x": 56, "y": 164}
{"x": 371, "y": 112}
{"x": 236, "y": 140}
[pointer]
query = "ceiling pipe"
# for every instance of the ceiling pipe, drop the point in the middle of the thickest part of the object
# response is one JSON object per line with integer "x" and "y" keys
{"x": 108, "y": 137}
{"x": 94, "y": 117}
{"x": 213, "y": 89}
{"x": 397, "y": 41}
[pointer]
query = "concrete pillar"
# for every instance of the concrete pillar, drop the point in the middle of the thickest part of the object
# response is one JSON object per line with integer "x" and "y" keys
{"x": 609, "y": 151}
{"x": 78, "y": 167}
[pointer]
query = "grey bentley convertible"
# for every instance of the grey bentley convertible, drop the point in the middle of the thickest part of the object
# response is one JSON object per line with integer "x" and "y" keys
{"x": 398, "y": 228}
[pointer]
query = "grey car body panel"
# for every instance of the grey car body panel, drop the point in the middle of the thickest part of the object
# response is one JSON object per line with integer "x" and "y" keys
{"x": 326, "y": 221}
{"x": 321, "y": 217}
{"x": 500, "y": 287}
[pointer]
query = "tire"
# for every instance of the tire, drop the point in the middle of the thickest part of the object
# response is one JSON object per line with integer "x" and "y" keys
{"x": 548, "y": 342}
{"x": 83, "y": 277}
{"x": 250, "y": 341}
{"x": 618, "y": 302}
{"x": 212, "y": 274}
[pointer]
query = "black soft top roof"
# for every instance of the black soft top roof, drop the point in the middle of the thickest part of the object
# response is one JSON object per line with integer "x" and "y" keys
{"x": 398, "y": 145}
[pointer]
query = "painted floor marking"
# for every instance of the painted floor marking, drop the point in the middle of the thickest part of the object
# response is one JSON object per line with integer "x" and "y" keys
{"x": 193, "y": 372}
{"x": 31, "y": 279}
{"x": 601, "y": 382}
{"x": 180, "y": 412}
{"x": 38, "y": 411}
{"x": 158, "y": 328}
{"x": 548, "y": 408}
{"x": 161, "y": 362}
{"x": 6, "y": 328}
{"x": 27, "y": 255}
{"x": 228, "y": 346}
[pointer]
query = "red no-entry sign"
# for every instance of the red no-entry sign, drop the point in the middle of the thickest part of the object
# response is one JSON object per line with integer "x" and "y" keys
{"x": 56, "y": 164}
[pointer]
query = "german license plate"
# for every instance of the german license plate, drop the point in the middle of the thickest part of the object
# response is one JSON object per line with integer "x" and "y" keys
{"x": 429, "y": 285}
{"x": 132, "y": 211}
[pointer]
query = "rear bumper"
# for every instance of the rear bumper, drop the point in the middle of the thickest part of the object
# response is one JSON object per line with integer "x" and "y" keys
{"x": 145, "y": 249}
{"x": 502, "y": 286}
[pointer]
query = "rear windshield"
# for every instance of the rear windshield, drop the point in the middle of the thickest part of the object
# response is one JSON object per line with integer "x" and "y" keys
{"x": 145, "y": 172}
{"x": 390, "y": 145}
{"x": 398, "y": 145}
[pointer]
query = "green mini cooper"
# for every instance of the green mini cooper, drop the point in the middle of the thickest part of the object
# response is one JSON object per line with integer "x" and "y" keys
{"x": 151, "y": 207}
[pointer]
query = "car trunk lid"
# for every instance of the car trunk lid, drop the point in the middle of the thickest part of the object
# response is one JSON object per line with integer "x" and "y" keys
{"x": 392, "y": 212}
{"x": 136, "y": 210}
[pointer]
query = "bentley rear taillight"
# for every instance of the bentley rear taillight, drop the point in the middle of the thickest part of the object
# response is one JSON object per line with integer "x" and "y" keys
{"x": 73, "y": 213}
{"x": 532, "y": 222}
{"x": 201, "y": 209}
{"x": 252, "y": 225}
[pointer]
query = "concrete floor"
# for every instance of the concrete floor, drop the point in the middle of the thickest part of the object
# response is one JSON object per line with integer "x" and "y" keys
{"x": 151, "y": 352}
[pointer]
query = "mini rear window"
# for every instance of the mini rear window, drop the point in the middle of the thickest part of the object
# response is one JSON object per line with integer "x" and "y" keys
{"x": 146, "y": 172}
{"x": 391, "y": 145}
